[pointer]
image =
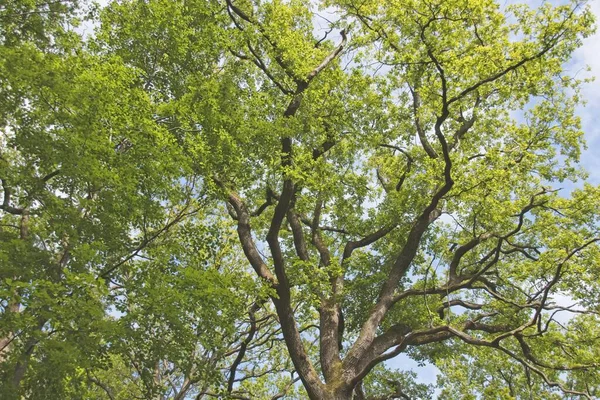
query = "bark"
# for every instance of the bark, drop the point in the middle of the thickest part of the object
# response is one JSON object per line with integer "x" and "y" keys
{"x": 5, "y": 342}
{"x": 329, "y": 349}
{"x": 293, "y": 341}
{"x": 340, "y": 394}
{"x": 14, "y": 307}
{"x": 23, "y": 362}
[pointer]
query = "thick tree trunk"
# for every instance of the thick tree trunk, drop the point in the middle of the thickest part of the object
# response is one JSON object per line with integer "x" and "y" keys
{"x": 339, "y": 394}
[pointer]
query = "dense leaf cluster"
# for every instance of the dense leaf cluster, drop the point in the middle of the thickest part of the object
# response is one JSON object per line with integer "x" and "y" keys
{"x": 223, "y": 199}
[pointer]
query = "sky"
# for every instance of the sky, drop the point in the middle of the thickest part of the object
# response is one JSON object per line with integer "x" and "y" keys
{"x": 589, "y": 54}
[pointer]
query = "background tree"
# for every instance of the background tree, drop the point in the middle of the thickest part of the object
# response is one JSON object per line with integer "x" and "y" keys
{"x": 115, "y": 282}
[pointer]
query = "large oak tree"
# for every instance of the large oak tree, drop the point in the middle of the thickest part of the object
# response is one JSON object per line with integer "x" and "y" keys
{"x": 400, "y": 178}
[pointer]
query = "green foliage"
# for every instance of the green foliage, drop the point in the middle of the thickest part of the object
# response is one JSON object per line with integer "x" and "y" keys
{"x": 404, "y": 171}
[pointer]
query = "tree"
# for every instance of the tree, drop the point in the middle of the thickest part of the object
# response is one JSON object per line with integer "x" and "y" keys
{"x": 114, "y": 285}
{"x": 395, "y": 190}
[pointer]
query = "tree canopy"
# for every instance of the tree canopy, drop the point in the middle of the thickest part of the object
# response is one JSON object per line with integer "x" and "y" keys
{"x": 264, "y": 199}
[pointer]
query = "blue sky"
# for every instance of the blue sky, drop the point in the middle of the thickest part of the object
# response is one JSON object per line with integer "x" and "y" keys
{"x": 589, "y": 54}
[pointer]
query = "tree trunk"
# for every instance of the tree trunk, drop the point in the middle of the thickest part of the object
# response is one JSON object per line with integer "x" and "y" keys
{"x": 22, "y": 363}
{"x": 338, "y": 394}
{"x": 5, "y": 342}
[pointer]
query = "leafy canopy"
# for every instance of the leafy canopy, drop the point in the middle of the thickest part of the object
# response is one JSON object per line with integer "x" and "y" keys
{"x": 223, "y": 198}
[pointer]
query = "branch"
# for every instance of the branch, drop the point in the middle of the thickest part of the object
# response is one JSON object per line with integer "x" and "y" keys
{"x": 329, "y": 315}
{"x": 279, "y": 214}
{"x": 301, "y": 84}
{"x": 556, "y": 278}
{"x": 298, "y": 234}
{"x": 543, "y": 375}
{"x": 101, "y": 385}
{"x": 329, "y": 58}
{"x": 104, "y": 274}
{"x": 462, "y": 130}
{"x": 458, "y": 302}
{"x": 398, "y": 270}
{"x": 6, "y": 202}
{"x": 286, "y": 388}
{"x": 245, "y": 235}
{"x": 409, "y": 162}
{"x": 308, "y": 223}
{"x": 422, "y": 137}
{"x": 255, "y": 307}
{"x": 260, "y": 64}
{"x": 327, "y": 144}
{"x": 366, "y": 241}
{"x": 51, "y": 175}
{"x": 268, "y": 202}
{"x": 505, "y": 71}
{"x": 461, "y": 251}
{"x": 239, "y": 12}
